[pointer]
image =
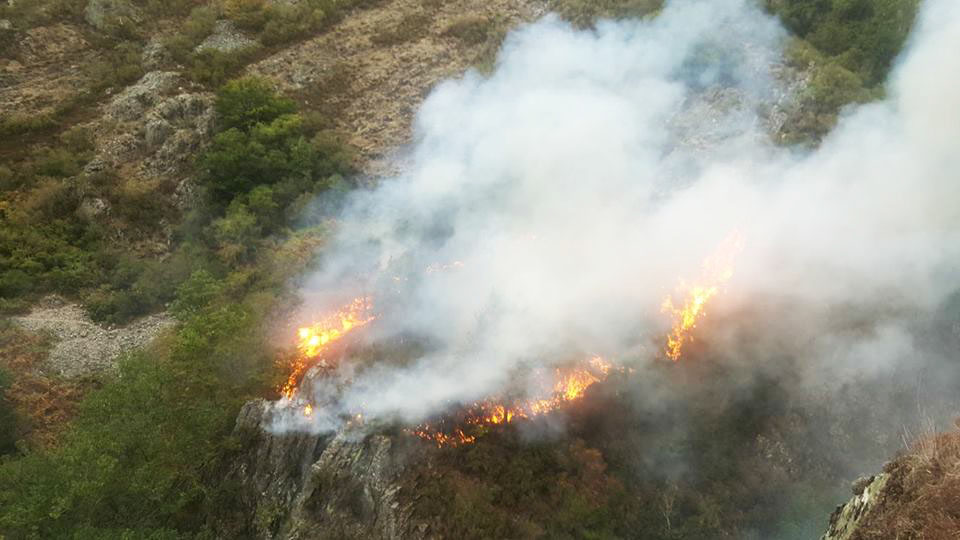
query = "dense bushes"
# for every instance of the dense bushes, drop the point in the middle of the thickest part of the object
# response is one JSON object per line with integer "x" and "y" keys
{"x": 849, "y": 47}
{"x": 8, "y": 418}
{"x": 265, "y": 159}
{"x": 135, "y": 458}
{"x": 863, "y": 36}
{"x": 266, "y": 162}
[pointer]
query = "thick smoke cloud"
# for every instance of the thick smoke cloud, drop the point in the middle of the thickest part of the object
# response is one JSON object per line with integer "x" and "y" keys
{"x": 593, "y": 169}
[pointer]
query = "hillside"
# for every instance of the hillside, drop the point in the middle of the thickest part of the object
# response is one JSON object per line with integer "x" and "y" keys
{"x": 184, "y": 184}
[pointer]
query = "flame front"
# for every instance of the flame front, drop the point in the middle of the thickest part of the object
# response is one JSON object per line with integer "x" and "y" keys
{"x": 570, "y": 386}
{"x": 315, "y": 338}
{"x": 717, "y": 270}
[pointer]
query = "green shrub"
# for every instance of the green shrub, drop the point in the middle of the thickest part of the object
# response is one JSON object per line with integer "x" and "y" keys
{"x": 265, "y": 143}
{"x": 243, "y": 103}
{"x": 213, "y": 68}
{"x": 58, "y": 162}
{"x": 247, "y": 14}
{"x": 287, "y": 23}
{"x": 19, "y": 123}
{"x": 135, "y": 457}
{"x": 8, "y": 418}
{"x": 584, "y": 13}
{"x": 117, "y": 66}
{"x": 198, "y": 25}
{"x": 867, "y": 34}
{"x": 470, "y": 29}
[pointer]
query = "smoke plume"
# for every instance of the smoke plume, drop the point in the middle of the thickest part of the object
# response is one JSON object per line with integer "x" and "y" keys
{"x": 549, "y": 207}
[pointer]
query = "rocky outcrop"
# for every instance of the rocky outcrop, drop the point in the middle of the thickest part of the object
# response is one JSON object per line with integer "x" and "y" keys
{"x": 846, "y": 519}
{"x": 299, "y": 485}
{"x": 226, "y": 37}
{"x": 916, "y": 496}
{"x": 107, "y": 15}
{"x": 131, "y": 103}
{"x": 154, "y": 127}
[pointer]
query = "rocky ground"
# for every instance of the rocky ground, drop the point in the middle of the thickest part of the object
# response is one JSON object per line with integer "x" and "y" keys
{"x": 82, "y": 347}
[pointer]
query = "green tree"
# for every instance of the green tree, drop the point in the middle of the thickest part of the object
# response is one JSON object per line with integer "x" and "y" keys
{"x": 245, "y": 102}
{"x": 8, "y": 418}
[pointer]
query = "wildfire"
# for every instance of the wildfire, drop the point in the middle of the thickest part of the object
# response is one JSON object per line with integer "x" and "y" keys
{"x": 717, "y": 270}
{"x": 315, "y": 338}
{"x": 570, "y": 386}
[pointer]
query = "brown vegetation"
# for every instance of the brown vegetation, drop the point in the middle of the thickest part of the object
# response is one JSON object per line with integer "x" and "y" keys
{"x": 42, "y": 402}
{"x": 922, "y": 498}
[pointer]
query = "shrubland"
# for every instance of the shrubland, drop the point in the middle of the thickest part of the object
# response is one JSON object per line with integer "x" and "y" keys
{"x": 136, "y": 459}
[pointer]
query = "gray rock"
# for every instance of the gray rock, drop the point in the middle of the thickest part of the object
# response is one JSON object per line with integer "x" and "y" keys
{"x": 133, "y": 102}
{"x": 83, "y": 347}
{"x": 91, "y": 207}
{"x": 110, "y": 14}
{"x": 155, "y": 54}
{"x": 226, "y": 38}
{"x": 156, "y": 132}
{"x": 299, "y": 485}
{"x": 176, "y": 129}
{"x": 845, "y": 520}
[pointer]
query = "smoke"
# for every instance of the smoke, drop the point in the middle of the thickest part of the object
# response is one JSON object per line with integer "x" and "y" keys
{"x": 575, "y": 185}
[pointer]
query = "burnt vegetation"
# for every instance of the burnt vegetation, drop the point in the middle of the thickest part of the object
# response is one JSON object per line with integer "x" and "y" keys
{"x": 136, "y": 453}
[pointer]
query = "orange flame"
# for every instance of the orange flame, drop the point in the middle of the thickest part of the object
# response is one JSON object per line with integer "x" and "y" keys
{"x": 315, "y": 338}
{"x": 717, "y": 270}
{"x": 570, "y": 386}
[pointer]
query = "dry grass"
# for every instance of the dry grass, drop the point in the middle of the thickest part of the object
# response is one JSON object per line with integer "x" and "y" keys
{"x": 471, "y": 29}
{"x": 44, "y": 403}
{"x": 922, "y": 499}
{"x": 410, "y": 27}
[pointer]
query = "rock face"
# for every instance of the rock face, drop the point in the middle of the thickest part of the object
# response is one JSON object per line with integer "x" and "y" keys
{"x": 847, "y": 518}
{"x": 304, "y": 486}
{"x": 131, "y": 103}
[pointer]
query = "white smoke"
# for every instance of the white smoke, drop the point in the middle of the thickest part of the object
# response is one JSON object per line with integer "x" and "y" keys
{"x": 593, "y": 169}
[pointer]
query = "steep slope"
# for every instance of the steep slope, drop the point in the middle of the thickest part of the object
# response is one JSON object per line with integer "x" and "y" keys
{"x": 916, "y": 497}
{"x": 301, "y": 485}
{"x": 370, "y": 71}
